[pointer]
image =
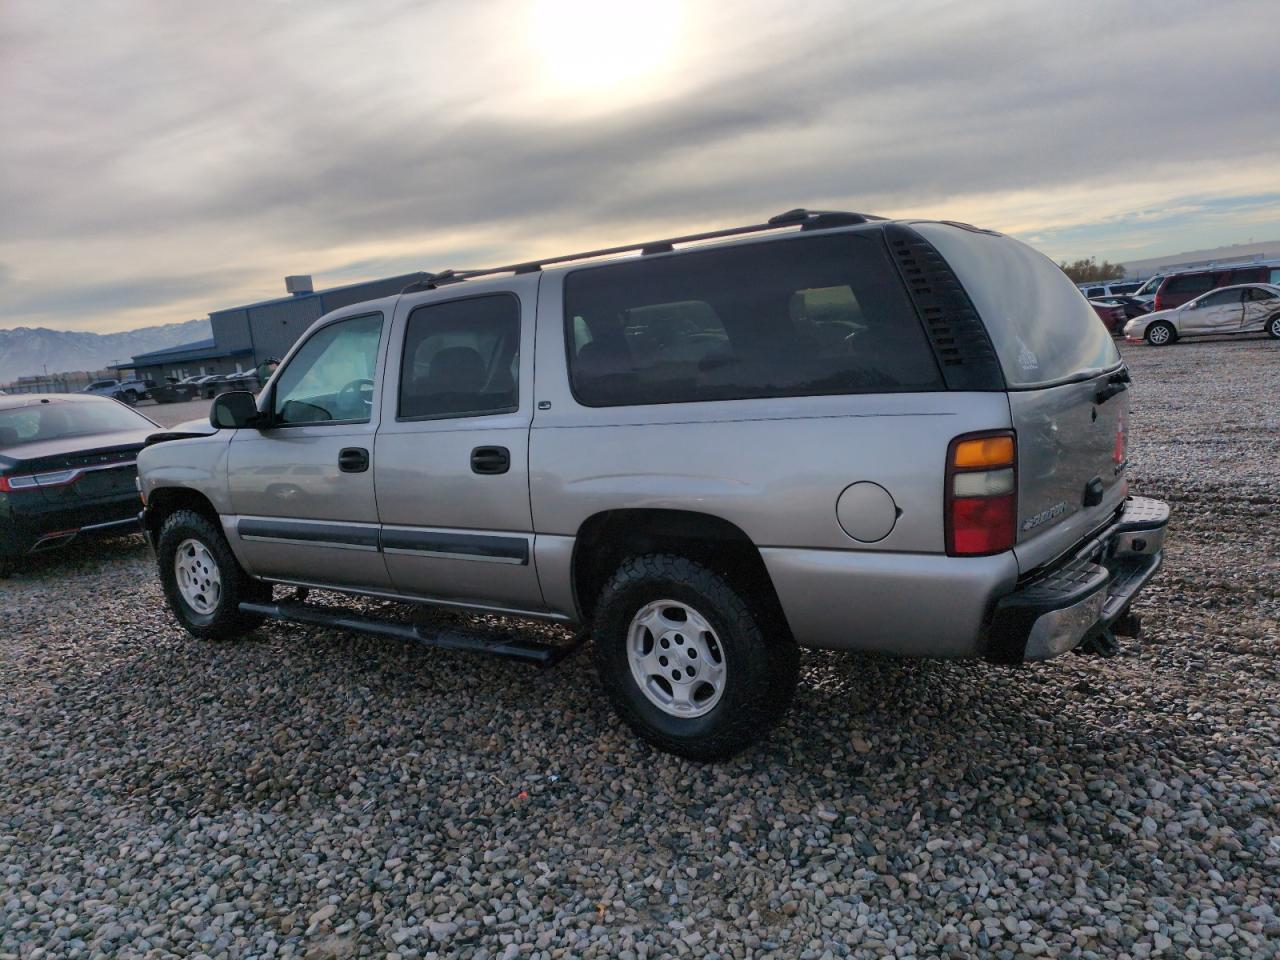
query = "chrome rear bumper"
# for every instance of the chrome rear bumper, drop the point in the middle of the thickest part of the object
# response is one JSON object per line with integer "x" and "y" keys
{"x": 1084, "y": 593}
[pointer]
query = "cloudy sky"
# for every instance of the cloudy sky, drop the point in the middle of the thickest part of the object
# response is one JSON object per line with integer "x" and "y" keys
{"x": 158, "y": 159}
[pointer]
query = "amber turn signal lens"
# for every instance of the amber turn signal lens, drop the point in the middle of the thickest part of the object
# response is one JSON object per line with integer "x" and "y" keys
{"x": 983, "y": 452}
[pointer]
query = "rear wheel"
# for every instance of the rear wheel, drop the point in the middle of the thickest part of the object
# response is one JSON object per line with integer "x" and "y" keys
{"x": 1273, "y": 327}
{"x": 203, "y": 583}
{"x": 1160, "y": 333}
{"x": 686, "y": 660}
{"x": 131, "y": 397}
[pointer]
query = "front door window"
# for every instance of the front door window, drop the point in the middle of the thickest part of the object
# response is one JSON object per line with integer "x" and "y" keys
{"x": 330, "y": 378}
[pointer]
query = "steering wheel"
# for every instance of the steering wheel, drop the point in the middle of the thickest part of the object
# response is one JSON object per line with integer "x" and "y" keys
{"x": 357, "y": 393}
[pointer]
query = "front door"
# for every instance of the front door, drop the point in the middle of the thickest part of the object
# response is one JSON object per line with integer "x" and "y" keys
{"x": 1217, "y": 312}
{"x": 452, "y": 461}
{"x": 302, "y": 486}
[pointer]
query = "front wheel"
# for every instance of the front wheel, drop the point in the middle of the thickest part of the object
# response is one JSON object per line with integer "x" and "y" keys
{"x": 203, "y": 583}
{"x": 1160, "y": 333}
{"x": 1273, "y": 327}
{"x": 688, "y": 663}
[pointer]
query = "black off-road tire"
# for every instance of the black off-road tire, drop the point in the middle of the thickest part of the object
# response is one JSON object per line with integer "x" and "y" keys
{"x": 1273, "y": 326}
{"x": 762, "y": 661}
{"x": 225, "y": 621}
{"x": 1172, "y": 338}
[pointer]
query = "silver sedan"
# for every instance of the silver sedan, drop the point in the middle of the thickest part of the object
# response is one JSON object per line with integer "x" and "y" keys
{"x": 1242, "y": 308}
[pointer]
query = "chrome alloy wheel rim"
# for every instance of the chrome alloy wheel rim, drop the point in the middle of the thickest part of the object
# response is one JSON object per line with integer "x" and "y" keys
{"x": 1275, "y": 326}
{"x": 1159, "y": 335}
{"x": 198, "y": 576}
{"x": 676, "y": 658}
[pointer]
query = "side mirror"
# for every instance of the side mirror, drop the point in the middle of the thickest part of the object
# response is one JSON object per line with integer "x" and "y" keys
{"x": 234, "y": 410}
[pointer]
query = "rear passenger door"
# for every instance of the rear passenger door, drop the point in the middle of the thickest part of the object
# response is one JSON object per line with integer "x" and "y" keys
{"x": 1259, "y": 306}
{"x": 451, "y": 459}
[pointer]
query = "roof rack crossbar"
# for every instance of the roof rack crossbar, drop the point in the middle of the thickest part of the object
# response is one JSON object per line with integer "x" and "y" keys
{"x": 805, "y": 219}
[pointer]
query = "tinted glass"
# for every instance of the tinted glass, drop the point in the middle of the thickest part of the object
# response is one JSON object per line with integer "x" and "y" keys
{"x": 1188, "y": 283}
{"x": 1256, "y": 294}
{"x": 330, "y": 378}
{"x": 461, "y": 358}
{"x": 1095, "y": 291}
{"x": 59, "y": 419}
{"x": 811, "y": 316}
{"x": 1220, "y": 298}
{"x": 1248, "y": 275}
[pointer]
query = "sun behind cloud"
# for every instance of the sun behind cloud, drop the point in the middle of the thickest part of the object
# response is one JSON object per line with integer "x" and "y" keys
{"x": 598, "y": 52}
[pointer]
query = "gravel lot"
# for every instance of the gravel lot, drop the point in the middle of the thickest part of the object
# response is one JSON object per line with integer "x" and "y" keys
{"x": 311, "y": 793}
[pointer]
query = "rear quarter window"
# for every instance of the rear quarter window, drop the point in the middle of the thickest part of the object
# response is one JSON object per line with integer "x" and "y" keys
{"x": 1043, "y": 330}
{"x": 800, "y": 317}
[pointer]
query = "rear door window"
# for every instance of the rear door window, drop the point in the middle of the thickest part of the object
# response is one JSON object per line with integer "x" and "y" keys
{"x": 799, "y": 317}
{"x": 461, "y": 358}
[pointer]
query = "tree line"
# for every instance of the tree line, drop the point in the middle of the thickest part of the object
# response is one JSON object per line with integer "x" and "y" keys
{"x": 1085, "y": 271}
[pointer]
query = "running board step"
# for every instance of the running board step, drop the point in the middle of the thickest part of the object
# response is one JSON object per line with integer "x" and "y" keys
{"x": 542, "y": 654}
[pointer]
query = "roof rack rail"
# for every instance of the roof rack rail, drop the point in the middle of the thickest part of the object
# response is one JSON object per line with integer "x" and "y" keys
{"x": 804, "y": 219}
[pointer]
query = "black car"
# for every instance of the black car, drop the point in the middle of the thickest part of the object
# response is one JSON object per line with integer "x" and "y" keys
{"x": 66, "y": 470}
{"x": 1133, "y": 307}
{"x": 173, "y": 390}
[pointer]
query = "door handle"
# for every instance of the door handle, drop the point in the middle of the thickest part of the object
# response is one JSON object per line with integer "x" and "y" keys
{"x": 353, "y": 460}
{"x": 490, "y": 460}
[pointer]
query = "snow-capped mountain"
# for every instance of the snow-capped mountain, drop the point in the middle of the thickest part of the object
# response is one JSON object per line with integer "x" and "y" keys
{"x": 27, "y": 351}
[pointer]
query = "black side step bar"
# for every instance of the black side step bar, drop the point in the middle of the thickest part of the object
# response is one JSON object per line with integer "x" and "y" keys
{"x": 542, "y": 654}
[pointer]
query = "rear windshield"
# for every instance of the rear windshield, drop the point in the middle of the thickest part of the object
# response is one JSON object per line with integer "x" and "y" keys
{"x": 58, "y": 419}
{"x": 1043, "y": 330}
{"x": 801, "y": 317}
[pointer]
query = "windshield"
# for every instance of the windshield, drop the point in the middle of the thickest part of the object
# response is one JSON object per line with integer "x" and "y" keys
{"x": 58, "y": 419}
{"x": 1150, "y": 286}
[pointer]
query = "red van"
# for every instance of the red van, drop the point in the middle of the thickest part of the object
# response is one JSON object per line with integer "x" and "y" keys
{"x": 1178, "y": 288}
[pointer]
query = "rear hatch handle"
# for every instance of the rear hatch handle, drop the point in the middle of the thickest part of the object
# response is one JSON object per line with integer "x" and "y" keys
{"x": 1118, "y": 382}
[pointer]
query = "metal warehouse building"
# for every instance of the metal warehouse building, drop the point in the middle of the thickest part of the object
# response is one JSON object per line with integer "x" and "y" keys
{"x": 244, "y": 337}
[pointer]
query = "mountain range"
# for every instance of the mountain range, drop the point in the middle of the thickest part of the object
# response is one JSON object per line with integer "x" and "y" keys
{"x": 28, "y": 351}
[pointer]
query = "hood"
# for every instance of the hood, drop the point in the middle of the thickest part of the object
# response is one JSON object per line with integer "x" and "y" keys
{"x": 184, "y": 431}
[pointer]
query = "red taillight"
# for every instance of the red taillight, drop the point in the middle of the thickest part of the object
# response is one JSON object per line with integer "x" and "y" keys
{"x": 982, "y": 526}
{"x": 1117, "y": 455}
{"x": 981, "y": 494}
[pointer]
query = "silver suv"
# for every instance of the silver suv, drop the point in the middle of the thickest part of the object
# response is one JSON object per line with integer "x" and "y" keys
{"x": 831, "y": 431}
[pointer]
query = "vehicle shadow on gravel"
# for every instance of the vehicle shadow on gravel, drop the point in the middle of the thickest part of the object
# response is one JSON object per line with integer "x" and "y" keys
{"x": 75, "y": 560}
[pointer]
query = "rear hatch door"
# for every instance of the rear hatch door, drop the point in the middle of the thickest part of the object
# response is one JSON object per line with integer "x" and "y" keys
{"x": 1067, "y": 387}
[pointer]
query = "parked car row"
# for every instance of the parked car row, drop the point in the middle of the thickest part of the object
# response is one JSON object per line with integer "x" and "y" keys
{"x": 205, "y": 387}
